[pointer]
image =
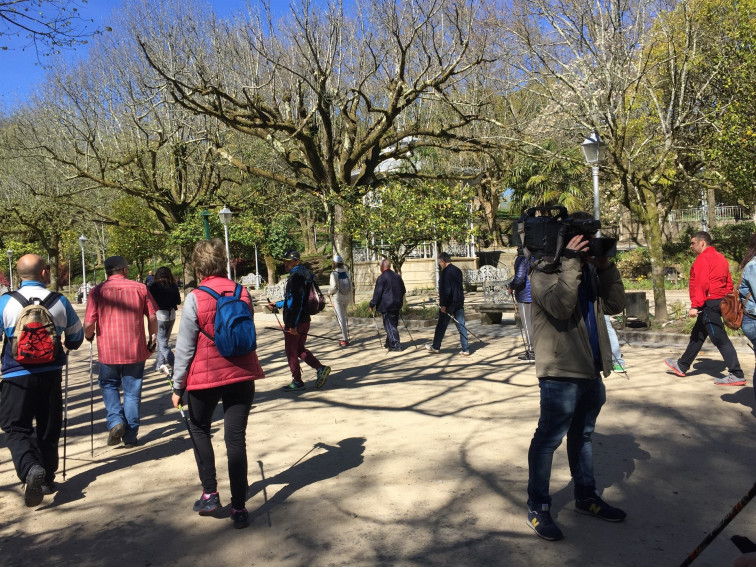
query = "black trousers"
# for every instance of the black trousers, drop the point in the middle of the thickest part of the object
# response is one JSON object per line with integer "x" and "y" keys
{"x": 391, "y": 324}
{"x": 25, "y": 400}
{"x": 237, "y": 402}
{"x": 709, "y": 324}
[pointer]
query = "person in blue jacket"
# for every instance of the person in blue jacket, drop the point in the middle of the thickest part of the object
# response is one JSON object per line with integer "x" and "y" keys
{"x": 747, "y": 293}
{"x": 388, "y": 298}
{"x": 32, "y": 392}
{"x": 451, "y": 300}
{"x": 520, "y": 286}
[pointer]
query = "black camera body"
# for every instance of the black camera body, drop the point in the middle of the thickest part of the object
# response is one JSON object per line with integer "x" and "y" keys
{"x": 545, "y": 231}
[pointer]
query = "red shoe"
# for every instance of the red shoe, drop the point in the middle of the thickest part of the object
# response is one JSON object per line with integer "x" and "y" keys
{"x": 343, "y": 343}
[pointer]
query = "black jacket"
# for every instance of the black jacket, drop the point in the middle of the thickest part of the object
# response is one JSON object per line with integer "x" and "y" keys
{"x": 389, "y": 292}
{"x": 450, "y": 291}
{"x": 166, "y": 297}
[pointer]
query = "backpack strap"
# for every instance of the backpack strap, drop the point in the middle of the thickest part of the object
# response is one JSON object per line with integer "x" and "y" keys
{"x": 50, "y": 300}
{"x": 20, "y": 298}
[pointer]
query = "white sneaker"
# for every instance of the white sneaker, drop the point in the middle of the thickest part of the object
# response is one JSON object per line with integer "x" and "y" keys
{"x": 464, "y": 353}
{"x": 166, "y": 370}
{"x": 429, "y": 348}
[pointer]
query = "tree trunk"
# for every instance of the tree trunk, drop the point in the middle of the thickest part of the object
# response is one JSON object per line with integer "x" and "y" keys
{"x": 52, "y": 250}
{"x": 652, "y": 228}
{"x": 270, "y": 265}
{"x": 307, "y": 223}
{"x": 711, "y": 209}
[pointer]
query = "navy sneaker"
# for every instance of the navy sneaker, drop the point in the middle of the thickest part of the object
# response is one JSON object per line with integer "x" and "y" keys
{"x": 240, "y": 518}
{"x": 543, "y": 525}
{"x": 206, "y": 506}
{"x": 596, "y": 507}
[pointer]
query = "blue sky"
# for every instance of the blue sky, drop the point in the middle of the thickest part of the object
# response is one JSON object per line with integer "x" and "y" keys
{"x": 20, "y": 74}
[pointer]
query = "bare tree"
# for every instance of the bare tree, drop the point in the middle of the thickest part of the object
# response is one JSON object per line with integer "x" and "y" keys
{"x": 46, "y": 25}
{"x": 626, "y": 69}
{"x": 339, "y": 98}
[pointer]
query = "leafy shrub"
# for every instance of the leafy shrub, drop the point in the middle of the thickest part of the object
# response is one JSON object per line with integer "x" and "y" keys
{"x": 634, "y": 263}
{"x": 362, "y": 309}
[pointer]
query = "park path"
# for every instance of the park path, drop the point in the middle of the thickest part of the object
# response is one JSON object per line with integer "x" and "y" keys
{"x": 402, "y": 459}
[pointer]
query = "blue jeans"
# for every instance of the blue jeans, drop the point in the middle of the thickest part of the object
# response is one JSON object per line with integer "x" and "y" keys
{"x": 443, "y": 323}
{"x": 749, "y": 330}
{"x": 164, "y": 353}
{"x": 129, "y": 377}
{"x": 568, "y": 407}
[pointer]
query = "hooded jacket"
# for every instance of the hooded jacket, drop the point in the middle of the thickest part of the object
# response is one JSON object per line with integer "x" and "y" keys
{"x": 562, "y": 339}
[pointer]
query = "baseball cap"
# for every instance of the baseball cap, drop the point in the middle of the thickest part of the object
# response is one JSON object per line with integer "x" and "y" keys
{"x": 291, "y": 255}
{"x": 115, "y": 263}
{"x": 338, "y": 259}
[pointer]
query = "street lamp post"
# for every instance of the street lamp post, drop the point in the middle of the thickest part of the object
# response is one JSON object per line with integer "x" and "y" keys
{"x": 204, "y": 214}
{"x": 225, "y": 215}
{"x": 9, "y": 252}
{"x": 257, "y": 270}
{"x": 593, "y": 149}
{"x": 82, "y": 241}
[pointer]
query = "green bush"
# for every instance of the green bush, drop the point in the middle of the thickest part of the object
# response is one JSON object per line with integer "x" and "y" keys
{"x": 362, "y": 309}
{"x": 634, "y": 263}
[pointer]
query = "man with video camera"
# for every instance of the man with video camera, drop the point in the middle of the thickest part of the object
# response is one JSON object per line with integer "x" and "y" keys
{"x": 571, "y": 292}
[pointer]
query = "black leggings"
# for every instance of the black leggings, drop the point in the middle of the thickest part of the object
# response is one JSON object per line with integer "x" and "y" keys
{"x": 237, "y": 403}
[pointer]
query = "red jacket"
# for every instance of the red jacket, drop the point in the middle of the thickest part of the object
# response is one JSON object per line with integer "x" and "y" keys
{"x": 709, "y": 277}
{"x": 208, "y": 368}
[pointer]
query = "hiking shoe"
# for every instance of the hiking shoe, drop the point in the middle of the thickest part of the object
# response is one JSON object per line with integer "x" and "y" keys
{"x": 35, "y": 478}
{"x": 543, "y": 525}
{"x": 322, "y": 375}
{"x": 672, "y": 364}
{"x": 429, "y": 348}
{"x": 49, "y": 488}
{"x": 343, "y": 343}
{"x": 294, "y": 386}
{"x": 464, "y": 353}
{"x": 207, "y": 505}
{"x": 130, "y": 444}
{"x": 116, "y": 434}
{"x": 240, "y": 518}
{"x": 594, "y": 506}
{"x": 730, "y": 380}
{"x": 166, "y": 370}
{"x": 619, "y": 368}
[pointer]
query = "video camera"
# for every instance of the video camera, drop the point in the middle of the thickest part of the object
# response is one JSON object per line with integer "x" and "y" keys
{"x": 545, "y": 231}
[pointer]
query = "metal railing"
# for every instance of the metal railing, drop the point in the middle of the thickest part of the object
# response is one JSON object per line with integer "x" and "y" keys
{"x": 721, "y": 212}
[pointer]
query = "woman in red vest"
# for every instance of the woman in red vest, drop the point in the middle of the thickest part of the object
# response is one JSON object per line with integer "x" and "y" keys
{"x": 207, "y": 378}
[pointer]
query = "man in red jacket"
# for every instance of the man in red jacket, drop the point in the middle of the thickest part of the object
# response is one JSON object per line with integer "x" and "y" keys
{"x": 710, "y": 281}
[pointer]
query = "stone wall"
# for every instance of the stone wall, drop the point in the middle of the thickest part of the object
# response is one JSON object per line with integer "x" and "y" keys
{"x": 417, "y": 273}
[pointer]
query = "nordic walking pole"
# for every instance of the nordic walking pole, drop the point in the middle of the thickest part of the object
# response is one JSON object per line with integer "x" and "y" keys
{"x": 726, "y": 520}
{"x": 376, "y": 329}
{"x": 91, "y": 402}
{"x": 453, "y": 318}
{"x": 186, "y": 421}
{"x": 65, "y": 417}
{"x": 265, "y": 491}
{"x": 408, "y": 331}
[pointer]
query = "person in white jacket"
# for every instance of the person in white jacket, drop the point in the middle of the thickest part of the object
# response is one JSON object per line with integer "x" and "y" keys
{"x": 340, "y": 291}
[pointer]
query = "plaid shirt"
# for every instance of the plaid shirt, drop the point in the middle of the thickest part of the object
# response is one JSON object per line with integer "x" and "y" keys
{"x": 117, "y": 307}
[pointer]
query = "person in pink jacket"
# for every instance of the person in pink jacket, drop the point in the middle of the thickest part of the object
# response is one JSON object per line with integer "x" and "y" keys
{"x": 206, "y": 378}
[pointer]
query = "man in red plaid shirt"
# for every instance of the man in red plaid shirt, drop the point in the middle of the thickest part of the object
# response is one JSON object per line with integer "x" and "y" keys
{"x": 115, "y": 310}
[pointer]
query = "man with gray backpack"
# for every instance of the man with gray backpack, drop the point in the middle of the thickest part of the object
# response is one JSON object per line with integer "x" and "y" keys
{"x": 33, "y": 357}
{"x": 340, "y": 290}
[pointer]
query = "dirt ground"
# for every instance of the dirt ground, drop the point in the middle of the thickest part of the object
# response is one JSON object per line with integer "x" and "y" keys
{"x": 402, "y": 459}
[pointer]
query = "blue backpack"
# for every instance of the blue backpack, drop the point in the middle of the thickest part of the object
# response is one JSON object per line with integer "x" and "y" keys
{"x": 234, "y": 325}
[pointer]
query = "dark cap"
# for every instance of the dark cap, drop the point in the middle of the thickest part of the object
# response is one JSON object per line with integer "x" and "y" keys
{"x": 115, "y": 263}
{"x": 291, "y": 255}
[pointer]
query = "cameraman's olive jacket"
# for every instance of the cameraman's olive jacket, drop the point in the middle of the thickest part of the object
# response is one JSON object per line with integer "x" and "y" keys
{"x": 562, "y": 344}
